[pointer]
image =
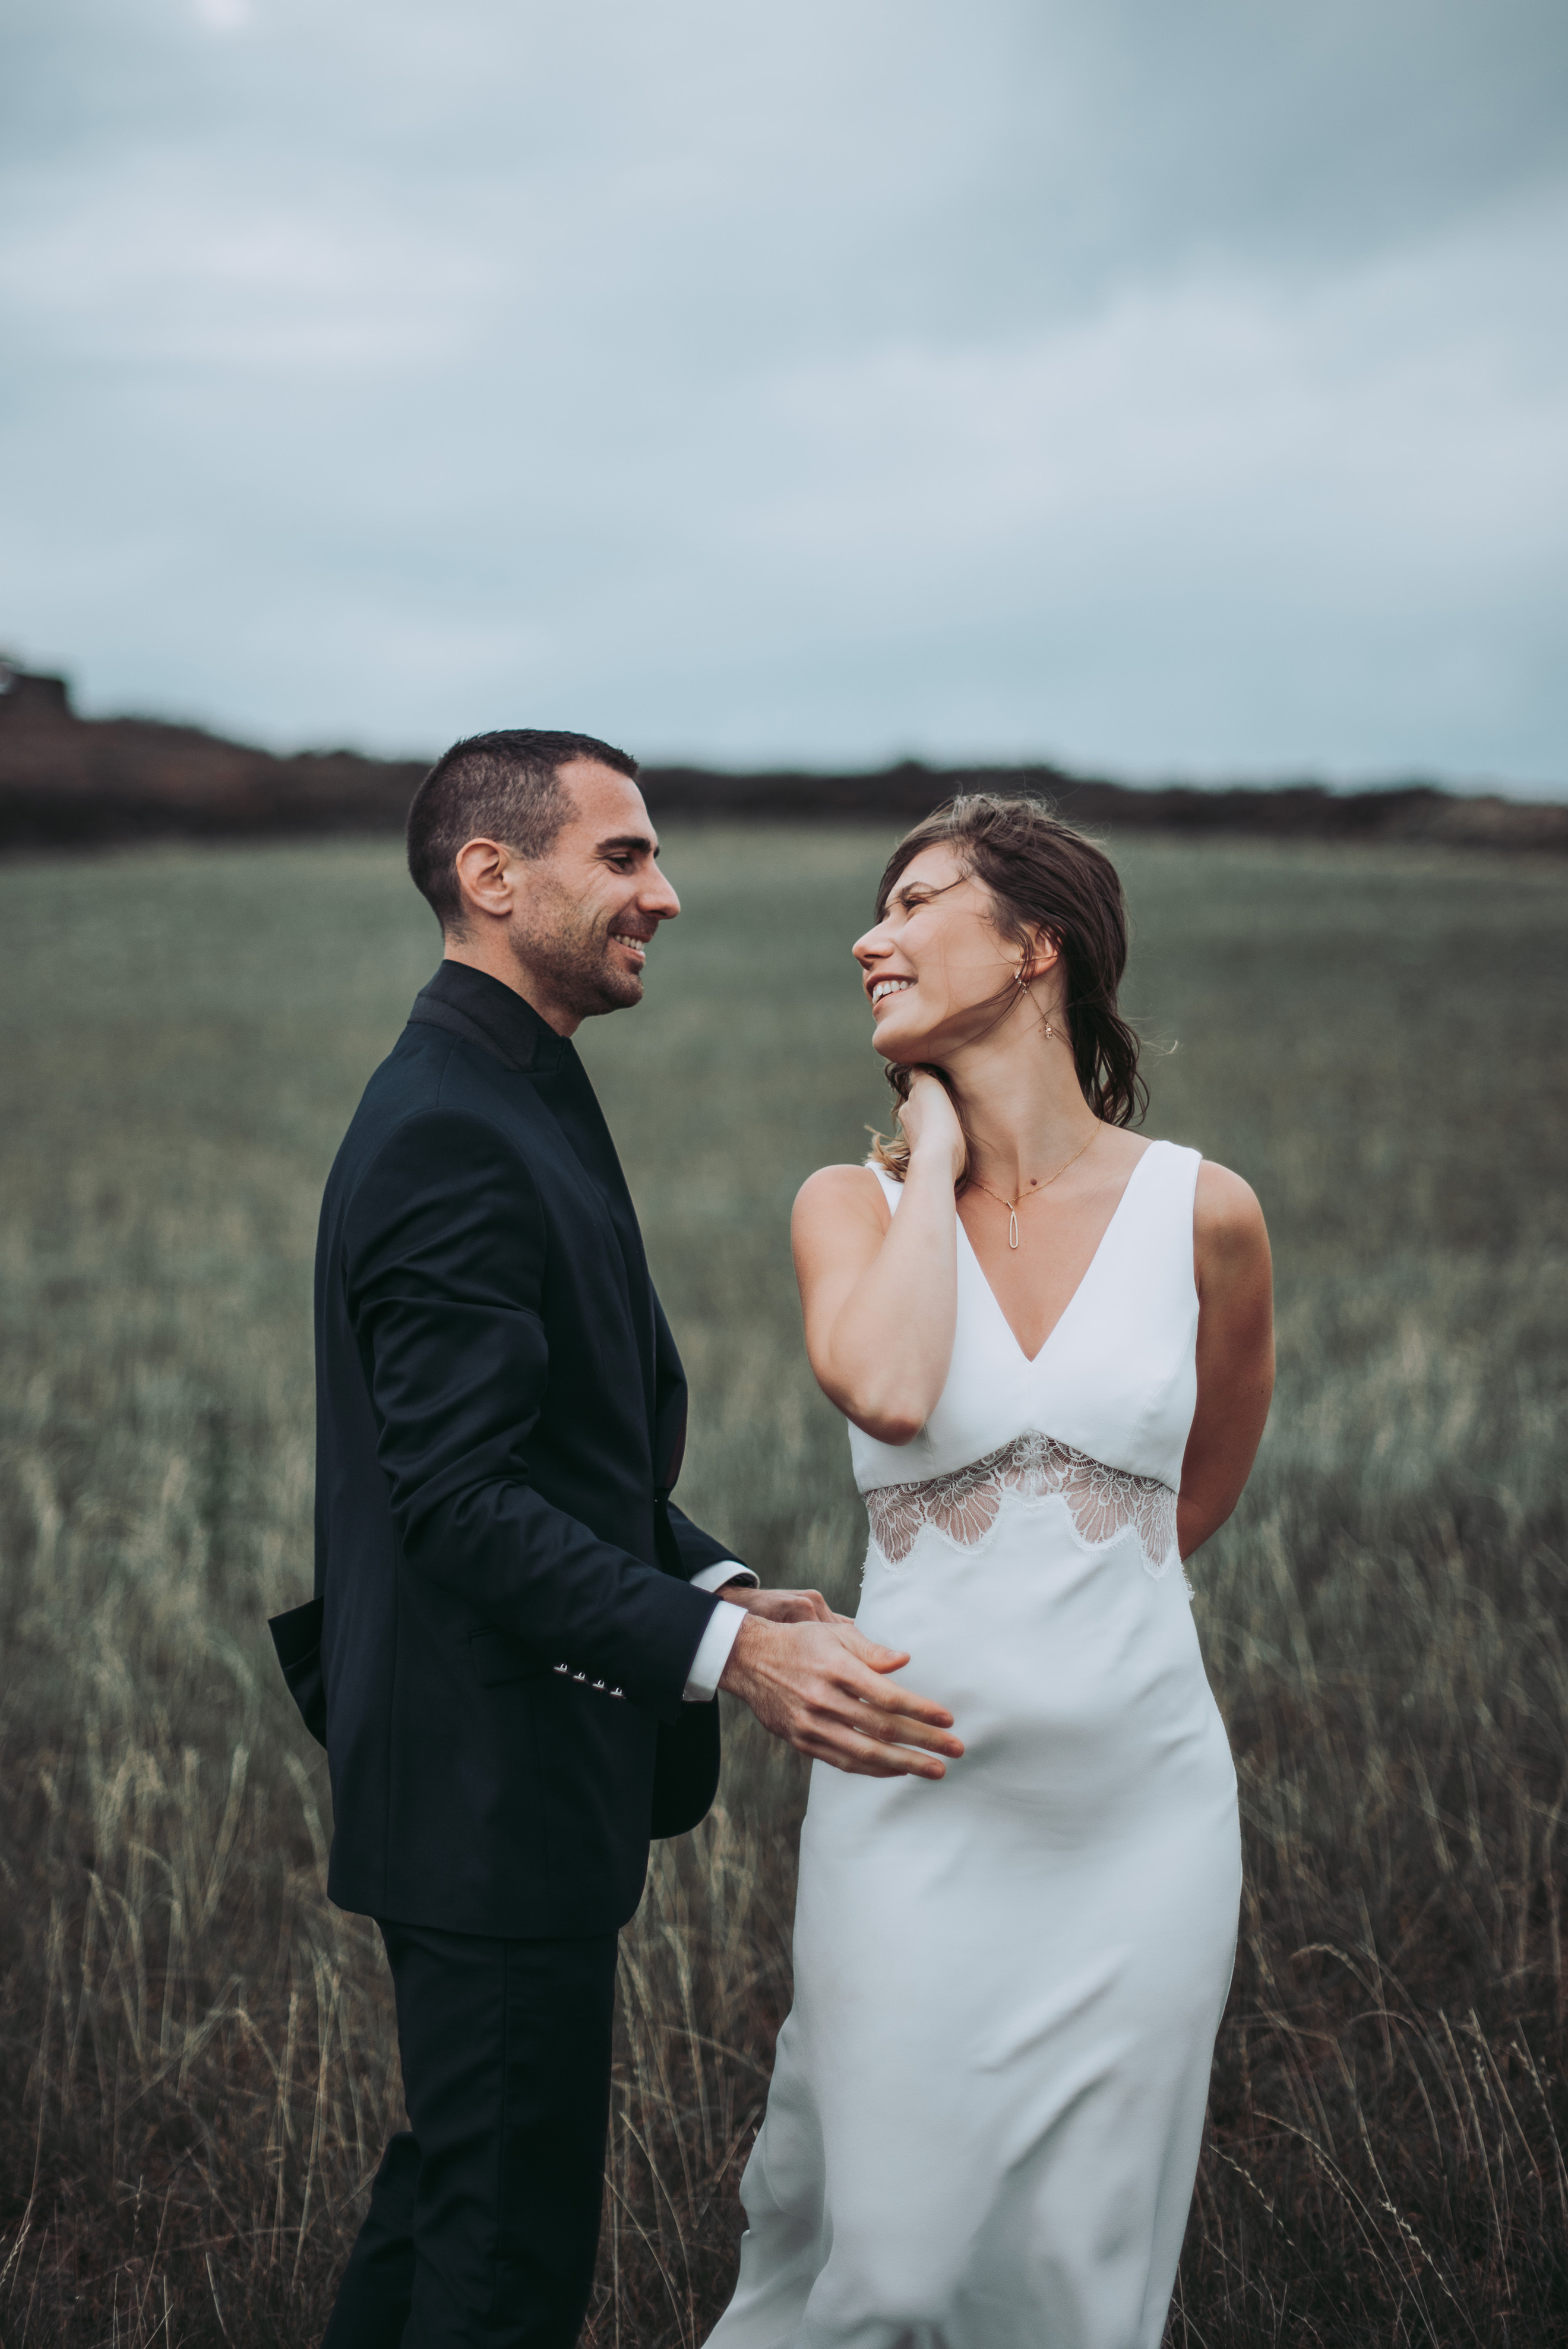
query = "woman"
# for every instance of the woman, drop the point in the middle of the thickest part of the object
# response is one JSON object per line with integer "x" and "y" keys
{"x": 1053, "y": 1342}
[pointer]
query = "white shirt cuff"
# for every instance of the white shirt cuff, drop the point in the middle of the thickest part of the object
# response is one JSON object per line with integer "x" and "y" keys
{"x": 713, "y": 1649}
{"x": 728, "y": 1569}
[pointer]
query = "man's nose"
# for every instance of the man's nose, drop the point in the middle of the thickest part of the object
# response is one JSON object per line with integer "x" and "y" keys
{"x": 659, "y": 899}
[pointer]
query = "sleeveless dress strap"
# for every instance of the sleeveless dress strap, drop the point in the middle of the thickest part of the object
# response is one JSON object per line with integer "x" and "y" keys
{"x": 891, "y": 1192}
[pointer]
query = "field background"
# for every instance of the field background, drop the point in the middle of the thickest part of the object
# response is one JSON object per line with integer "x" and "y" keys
{"x": 197, "y": 2068}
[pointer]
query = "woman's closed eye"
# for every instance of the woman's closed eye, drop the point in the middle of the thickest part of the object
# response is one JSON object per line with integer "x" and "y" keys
{"x": 902, "y": 908}
{"x": 910, "y": 901}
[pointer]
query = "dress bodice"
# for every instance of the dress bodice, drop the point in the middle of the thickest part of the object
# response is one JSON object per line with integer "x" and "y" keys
{"x": 1113, "y": 1387}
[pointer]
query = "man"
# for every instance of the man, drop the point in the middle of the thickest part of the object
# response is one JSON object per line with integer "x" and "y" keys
{"x": 516, "y": 1637}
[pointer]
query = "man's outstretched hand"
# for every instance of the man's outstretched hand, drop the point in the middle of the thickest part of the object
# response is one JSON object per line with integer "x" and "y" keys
{"x": 821, "y": 1686}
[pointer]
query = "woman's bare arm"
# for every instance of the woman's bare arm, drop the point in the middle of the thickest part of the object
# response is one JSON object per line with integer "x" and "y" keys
{"x": 879, "y": 1294}
{"x": 1235, "y": 1353}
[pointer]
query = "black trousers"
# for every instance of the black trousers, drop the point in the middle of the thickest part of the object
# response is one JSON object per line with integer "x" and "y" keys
{"x": 484, "y": 2218}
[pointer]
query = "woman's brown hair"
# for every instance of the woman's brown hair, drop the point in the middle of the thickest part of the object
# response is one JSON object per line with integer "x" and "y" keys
{"x": 1042, "y": 875}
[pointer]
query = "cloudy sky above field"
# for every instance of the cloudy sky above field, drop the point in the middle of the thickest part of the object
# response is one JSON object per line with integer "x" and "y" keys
{"x": 1163, "y": 386}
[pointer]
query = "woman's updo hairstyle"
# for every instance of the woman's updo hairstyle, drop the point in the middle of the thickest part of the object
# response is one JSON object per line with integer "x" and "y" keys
{"x": 1042, "y": 877}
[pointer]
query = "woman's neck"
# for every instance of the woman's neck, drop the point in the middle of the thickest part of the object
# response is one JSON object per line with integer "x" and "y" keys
{"x": 1022, "y": 1106}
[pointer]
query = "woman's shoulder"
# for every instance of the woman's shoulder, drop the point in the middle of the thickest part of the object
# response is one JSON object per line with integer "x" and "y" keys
{"x": 840, "y": 1195}
{"x": 1226, "y": 1214}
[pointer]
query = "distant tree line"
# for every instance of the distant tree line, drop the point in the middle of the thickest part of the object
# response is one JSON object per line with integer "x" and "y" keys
{"x": 73, "y": 782}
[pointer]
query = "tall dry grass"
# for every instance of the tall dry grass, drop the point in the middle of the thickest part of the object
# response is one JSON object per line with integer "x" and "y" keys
{"x": 197, "y": 2066}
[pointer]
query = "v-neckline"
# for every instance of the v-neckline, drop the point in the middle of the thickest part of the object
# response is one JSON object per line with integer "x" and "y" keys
{"x": 1029, "y": 1361}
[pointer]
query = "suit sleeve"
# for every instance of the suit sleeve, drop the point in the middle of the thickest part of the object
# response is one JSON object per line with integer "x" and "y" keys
{"x": 444, "y": 1260}
{"x": 697, "y": 1548}
{"x": 692, "y": 1549}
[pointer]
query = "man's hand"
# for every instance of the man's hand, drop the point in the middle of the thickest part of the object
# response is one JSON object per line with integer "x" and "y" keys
{"x": 821, "y": 1687}
{"x": 782, "y": 1606}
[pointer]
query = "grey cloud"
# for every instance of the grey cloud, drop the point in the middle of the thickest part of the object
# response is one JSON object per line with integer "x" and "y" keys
{"x": 1098, "y": 379}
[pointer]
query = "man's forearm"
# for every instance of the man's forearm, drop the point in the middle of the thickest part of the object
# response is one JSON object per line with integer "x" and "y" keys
{"x": 532, "y": 1569}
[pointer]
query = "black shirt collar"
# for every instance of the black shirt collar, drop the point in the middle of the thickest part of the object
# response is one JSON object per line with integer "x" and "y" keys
{"x": 487, "y": 1013}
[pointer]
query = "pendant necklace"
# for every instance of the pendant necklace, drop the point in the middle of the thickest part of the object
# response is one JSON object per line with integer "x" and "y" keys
{"x": 1012, "y": 1206}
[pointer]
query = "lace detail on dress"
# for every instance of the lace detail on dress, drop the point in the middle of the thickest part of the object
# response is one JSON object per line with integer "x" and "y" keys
{"x": 1102, "y": 1502}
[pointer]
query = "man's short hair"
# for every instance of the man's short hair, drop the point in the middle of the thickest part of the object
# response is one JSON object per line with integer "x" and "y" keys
{"x": 504, "y": 786}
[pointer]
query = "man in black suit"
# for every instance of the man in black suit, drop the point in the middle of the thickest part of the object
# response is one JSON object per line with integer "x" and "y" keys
{"x": 516, "y": 1638}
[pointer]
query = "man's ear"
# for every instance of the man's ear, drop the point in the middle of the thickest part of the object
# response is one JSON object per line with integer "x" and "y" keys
{"x": 484, "y": 879}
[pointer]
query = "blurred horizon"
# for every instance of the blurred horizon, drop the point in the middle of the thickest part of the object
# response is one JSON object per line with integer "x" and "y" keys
{"x": 62, "y": 711}
{"x": 1164, "y": 397}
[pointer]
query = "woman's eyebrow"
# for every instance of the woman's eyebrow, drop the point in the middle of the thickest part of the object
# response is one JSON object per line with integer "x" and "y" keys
{"x": 902, "y": 897}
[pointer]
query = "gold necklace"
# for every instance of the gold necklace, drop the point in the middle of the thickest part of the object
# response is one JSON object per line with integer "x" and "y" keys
{"x": 1012, "y": 1206}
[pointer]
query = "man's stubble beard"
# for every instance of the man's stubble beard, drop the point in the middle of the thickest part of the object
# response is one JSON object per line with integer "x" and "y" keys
{"x": 570, "y": 950}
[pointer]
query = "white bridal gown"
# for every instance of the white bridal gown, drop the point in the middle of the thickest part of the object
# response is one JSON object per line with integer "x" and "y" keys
{"x": 987, "y": 2101}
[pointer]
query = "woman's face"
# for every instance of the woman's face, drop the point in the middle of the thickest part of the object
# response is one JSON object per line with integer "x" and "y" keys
{"x": 937, "y": 970}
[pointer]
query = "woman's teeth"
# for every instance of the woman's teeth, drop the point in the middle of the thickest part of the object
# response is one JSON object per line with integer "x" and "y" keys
{"x": 889, "y": 987}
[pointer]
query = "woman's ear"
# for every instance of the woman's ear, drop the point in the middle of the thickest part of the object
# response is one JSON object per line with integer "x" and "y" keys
{"x": 1038, "y": 956}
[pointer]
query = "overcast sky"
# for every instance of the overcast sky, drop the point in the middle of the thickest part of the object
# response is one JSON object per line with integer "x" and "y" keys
{"x": 1166, "y": 386}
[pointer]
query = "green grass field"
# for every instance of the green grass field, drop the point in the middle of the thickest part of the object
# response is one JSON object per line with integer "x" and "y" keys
{"x": 196, "y": 2060}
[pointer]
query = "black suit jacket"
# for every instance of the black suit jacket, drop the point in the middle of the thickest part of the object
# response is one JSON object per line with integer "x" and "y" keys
{"x": 503, "y": 1604}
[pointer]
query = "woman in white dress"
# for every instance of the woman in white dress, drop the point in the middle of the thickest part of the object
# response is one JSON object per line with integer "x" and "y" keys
{"x": 1053, "y": 1342}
